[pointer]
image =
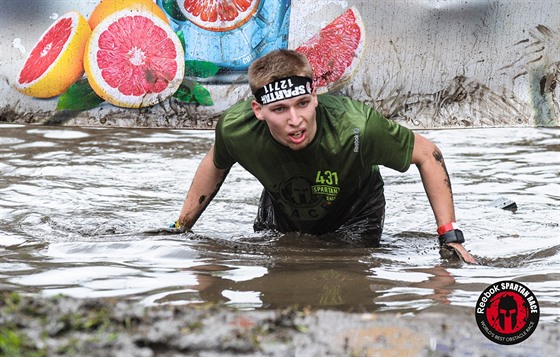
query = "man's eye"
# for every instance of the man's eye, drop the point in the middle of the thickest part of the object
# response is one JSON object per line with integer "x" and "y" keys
{"x": 278, "y": 110}
{"x": 303, "y": 104}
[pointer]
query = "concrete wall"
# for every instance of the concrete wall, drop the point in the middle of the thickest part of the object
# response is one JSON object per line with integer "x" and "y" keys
{"x": 425, "y": 63}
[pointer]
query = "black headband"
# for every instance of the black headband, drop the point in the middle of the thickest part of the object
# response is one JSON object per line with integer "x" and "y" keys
{"x": 284, "y": 88}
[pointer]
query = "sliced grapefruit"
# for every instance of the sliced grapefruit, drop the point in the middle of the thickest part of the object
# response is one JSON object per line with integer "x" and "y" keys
{"x": 218, "y": 15}
{"x": 334, "y": 52}
{"x": 56, "y": 61}
{"x": 107, "y": 7}
{"x": 134, "y": 59}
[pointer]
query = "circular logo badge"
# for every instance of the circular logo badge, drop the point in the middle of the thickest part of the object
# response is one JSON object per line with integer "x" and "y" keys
{"x": 507, "y": 312}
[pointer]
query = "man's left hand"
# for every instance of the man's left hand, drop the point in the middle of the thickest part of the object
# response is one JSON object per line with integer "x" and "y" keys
{"x": 165, "y": 231}
{"x": 460, "y": 252}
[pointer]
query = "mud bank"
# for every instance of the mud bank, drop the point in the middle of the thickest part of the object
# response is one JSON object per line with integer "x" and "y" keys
{"x": 32, "y": 326}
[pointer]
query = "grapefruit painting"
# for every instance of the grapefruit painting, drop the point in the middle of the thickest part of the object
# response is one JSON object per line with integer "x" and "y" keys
{"x": 56, "y": 61}
{"x": 134, "y": 59}
{"x": 47, "y": 76}
{"x": 221, "y": 16}
{"x": 138, "y": 53}
{"x": 229, "y": 33}
{"x": 107, "y": 7}
{"x": 335, "y": 52}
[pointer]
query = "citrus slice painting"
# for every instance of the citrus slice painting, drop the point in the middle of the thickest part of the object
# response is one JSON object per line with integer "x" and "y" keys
{"x": 335, "y": 51}
{"x": 56, "y": 61}
{"x": 218, "y": 15}
{"x": 108, "y": 7}
{"x": 134, "y": 59}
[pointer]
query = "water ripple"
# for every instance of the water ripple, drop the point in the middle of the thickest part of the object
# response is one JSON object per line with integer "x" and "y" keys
{"x": 74, "y": 204}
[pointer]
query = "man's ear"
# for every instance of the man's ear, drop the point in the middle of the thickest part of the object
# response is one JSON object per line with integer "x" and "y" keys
{"x": 315, "y": 99}
{"x": 257, "y": 109}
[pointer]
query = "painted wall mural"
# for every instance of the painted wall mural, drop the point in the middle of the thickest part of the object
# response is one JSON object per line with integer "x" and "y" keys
{"x": 180, "y": 63}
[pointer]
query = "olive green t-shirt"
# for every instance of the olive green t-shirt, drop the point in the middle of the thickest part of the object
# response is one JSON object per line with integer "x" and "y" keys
{"x": 316, "y": 184}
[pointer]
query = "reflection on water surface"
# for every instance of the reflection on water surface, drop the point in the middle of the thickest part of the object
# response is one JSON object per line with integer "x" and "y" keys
{"x": 75, "y": 201}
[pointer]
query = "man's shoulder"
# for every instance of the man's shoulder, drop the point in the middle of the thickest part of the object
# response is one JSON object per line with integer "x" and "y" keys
{"x": 239, "y": 109}
{"x": 238, "y": 115}
{"x": 239, "y": 123}
{"x": 342, "y": 109}
{"x": 336, "y": 102}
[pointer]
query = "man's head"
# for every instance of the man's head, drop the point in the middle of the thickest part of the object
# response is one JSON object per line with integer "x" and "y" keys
{"x": 276, "y": 65}
{"x": 281, "y": 82}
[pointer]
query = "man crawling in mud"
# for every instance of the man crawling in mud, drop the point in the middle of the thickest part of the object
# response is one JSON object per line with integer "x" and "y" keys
{"x": 317, "y": 157}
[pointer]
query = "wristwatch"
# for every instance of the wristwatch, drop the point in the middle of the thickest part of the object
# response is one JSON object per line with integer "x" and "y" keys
{"x": 452, "y": 236}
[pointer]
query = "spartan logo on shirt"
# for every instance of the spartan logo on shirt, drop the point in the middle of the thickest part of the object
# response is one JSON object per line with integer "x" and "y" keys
{"x": 307, "y": 200}
{"x": 298, "y": 193}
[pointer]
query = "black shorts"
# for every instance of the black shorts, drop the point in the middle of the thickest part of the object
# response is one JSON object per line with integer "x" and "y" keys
{"x": 361, "y": 223}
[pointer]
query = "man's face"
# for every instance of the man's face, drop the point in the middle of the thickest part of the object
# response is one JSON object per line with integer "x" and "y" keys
{"x": 292, "y": 122}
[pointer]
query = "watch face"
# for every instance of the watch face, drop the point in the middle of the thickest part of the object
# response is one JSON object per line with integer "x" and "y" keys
{"x": 454, "y": 236}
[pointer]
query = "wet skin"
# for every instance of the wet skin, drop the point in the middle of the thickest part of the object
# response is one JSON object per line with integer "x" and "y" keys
{"x": 292, "y": 122}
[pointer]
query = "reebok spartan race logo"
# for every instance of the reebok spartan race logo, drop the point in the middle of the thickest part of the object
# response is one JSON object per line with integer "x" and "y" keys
{"x": 507, "y": 312}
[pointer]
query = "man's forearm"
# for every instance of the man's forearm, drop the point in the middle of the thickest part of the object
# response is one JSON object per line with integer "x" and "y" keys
{"x": 437, "y": 185}
{"x": 438, "y": 189}
{"x": 205, "y": 185}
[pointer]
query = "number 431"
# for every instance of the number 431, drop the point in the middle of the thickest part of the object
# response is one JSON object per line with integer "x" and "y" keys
{"x": 327, "y": 177}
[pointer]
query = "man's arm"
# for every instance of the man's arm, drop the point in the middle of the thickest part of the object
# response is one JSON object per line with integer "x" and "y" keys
{"x": 429, "y": 160}
{"x": 205, "y": 185}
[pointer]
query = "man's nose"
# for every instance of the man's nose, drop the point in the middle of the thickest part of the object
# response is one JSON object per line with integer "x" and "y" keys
{"x": 294, "y": 118}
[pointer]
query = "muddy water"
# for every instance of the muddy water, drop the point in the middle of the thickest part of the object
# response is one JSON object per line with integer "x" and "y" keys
{"x": 74, "y": 204}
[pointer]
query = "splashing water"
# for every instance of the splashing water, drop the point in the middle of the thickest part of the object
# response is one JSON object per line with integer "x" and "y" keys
{"x": 75, "y": 201}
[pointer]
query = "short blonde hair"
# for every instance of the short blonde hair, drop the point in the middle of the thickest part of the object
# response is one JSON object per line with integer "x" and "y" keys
{"x": 278, "y": 64}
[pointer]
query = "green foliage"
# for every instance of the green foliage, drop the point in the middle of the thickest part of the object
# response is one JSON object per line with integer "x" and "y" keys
{"x": 10, "y": 343}
{"x": 11, "y": 301}
{"x": 80, "y": 96}
{"x": 173, "y": 10}
{"x": 13, "y": 342}
{"x": 181, "y": 36}
{"x": 200, "y": 69}
{"x": 193, "y": 92}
